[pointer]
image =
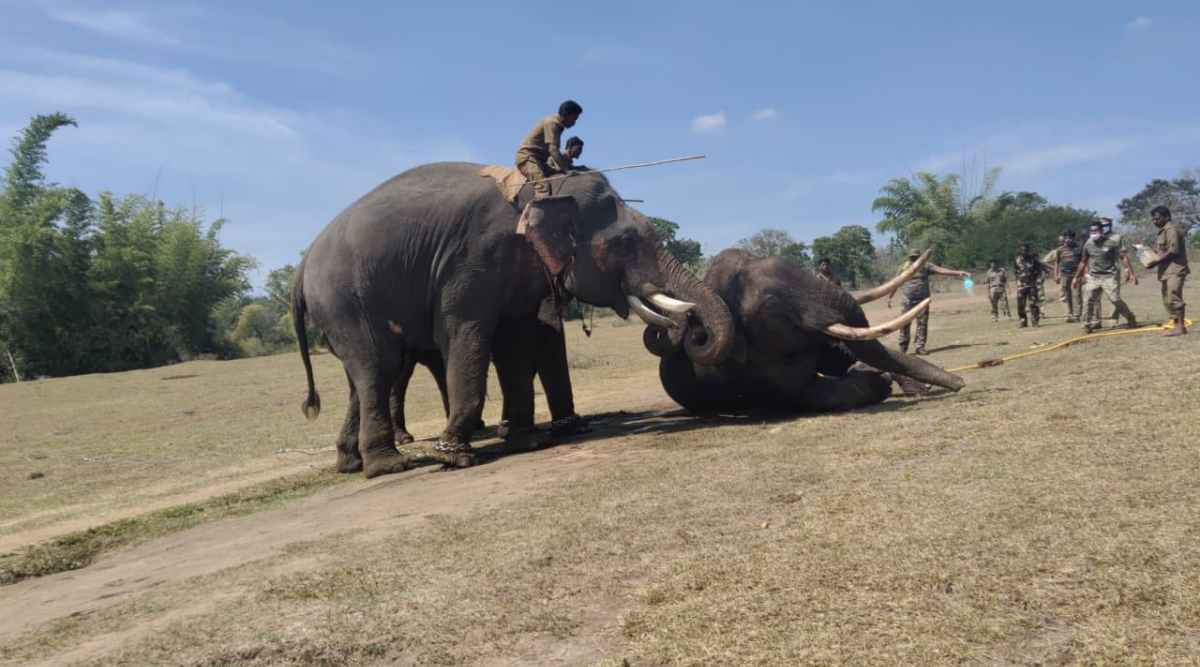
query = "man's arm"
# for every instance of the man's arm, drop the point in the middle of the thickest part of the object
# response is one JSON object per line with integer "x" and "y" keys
{"x": 1057, "y": 263}
{"x": 1174, "y": 246}
{"x": 553, "y": 136}
{"x": 1080, "y": 272}
{"x": 1130, "y": 276}
{"x": 942, "y": 271}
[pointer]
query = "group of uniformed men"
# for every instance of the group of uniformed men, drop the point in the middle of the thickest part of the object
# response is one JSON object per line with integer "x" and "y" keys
{"x": 1084, "y": 272}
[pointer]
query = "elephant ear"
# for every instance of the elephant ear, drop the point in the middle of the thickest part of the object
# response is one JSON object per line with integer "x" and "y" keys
{"x": 549, "y": 224}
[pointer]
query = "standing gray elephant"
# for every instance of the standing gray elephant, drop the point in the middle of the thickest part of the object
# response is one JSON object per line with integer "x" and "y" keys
{"x": 432, "y": 260}
{"x": 798, "y": 339}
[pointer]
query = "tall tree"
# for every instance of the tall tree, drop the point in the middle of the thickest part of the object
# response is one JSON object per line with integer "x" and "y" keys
{"x": 776, "y": 243}
{"x": 851, "y": 253}
{"x": 687, "y": 251}
{"x": 1181, "y": 195}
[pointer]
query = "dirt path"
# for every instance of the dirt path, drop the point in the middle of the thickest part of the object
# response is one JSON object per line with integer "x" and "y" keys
{"x": 380, "y": 506}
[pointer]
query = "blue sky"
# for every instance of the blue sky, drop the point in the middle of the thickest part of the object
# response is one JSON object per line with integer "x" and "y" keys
{"x": 279, "y": 114}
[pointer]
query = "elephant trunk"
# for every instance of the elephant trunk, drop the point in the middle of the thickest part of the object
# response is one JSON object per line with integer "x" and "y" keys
{"x": 707, "y": 344}
{"x": 874, "y": 353}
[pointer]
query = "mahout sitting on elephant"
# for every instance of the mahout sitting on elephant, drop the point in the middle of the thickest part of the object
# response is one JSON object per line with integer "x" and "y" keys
{"x": 433, "y": 261}
{"x": 801, "y": 344}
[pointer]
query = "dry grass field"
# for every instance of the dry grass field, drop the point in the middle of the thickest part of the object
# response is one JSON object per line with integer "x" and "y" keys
{"x": 1047, "y": 514}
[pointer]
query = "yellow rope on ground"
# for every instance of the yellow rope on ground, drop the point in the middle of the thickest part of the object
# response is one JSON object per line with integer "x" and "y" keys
{"x": 1067, "y": 343}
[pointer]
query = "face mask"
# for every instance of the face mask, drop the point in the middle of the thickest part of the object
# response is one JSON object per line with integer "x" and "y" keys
{"x": 1095, "y": 235}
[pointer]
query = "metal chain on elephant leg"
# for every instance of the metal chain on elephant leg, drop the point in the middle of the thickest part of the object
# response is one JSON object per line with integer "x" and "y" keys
{"x": 454, "y": 454}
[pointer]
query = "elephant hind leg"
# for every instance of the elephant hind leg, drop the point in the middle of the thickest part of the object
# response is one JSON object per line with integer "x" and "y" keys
{"x": 376, "y": 437}
{"x": 398, "y": 394}
{"x": 348, "y": 458}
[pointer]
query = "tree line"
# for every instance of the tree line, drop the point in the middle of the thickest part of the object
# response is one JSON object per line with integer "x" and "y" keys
{"x": 113, "y": 282}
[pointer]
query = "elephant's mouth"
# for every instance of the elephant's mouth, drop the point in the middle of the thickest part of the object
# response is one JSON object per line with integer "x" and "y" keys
{"x": 657, "y": 308}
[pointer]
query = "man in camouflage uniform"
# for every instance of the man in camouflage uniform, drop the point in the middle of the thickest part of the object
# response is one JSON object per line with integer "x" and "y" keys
{"x": 1066, "y": 261}
{"x": 824, "y": 272}
{"x": 539, "y": 156}
{"x": 1172, "y": 264}
{"x": 1029, "y": 273}
{"x": 997, "y": 279}
{"x": 1102, "y": 256}
{"x": 915, "y": 291}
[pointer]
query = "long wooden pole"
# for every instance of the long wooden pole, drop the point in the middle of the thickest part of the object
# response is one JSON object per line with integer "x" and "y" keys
{"x": 636, "y": 165}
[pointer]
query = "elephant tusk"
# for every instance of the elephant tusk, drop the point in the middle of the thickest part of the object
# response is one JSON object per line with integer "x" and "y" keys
{"x": 846, "y": 332}
{"x": 649, "y": 316}
{"x": 893, "y": 284}
{"x": 670, "y": 305}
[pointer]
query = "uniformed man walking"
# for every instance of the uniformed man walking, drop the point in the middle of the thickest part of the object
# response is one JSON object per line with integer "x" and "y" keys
{"x": 1029, "y": 273}
{"x": 997, "y": 279}
{"x": 1066, "y": 261}
{"x": 825, "y": 272}
{"x": 539, "y": 155}
{"x": 1172, "y": 264}
{"x": 1102, "y": 256}
{"x": 915, "y": 291}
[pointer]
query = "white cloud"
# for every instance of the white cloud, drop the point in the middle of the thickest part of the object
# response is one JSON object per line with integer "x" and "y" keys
{"x": 119, "y": 23}
{"x": 1140, "y": 23}
{"x": 184, "y": 105}
{"x": 280, "y": 174}
{"x": 768, "y": 113}
{"x": 1064, "y": 155}
{"x": 709, "y": 124}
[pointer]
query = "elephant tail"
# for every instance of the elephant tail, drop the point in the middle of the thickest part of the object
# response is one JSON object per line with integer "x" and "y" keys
{"x": 312, "y": 403}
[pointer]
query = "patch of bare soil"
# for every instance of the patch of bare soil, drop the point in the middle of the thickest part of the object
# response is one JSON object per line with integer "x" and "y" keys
{"x": 373, "y": 507}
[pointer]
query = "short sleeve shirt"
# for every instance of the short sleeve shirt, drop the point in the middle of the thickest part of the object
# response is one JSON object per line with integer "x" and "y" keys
{"x": 1171, "y": 241}
{"x": 1102, "y": 256}
{"x": 917, "y": 287}
{"x": 546, "y": 134}
{"x": 997, "y": 279}
{"x": 1068, "y": 257}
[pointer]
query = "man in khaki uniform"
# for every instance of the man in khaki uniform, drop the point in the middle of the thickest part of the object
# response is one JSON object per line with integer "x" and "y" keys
{"x": 915, "y": 291}
{"x": 1103, "y": 255}
{"x": 1066, "y": 261}
{"x": 1172, "y": 266}
{"x": 539, "y": 155}
{"x": 997, "y": 279}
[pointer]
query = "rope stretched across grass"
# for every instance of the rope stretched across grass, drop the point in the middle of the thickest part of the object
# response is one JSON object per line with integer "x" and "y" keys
{"x": 987, "y": 363}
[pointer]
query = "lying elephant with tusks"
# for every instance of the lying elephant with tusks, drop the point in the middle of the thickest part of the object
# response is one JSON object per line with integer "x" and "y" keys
{"x": 798, "y": 342}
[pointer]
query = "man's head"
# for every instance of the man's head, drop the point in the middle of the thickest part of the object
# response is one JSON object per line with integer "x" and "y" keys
{"x": 914, "y": 252}
{"x": 823, "y": 265}
{"x": 994, "y": 264}
{"x": 569, "y": 111}
{"x": 1096, "y": 229}
{"x": 1026, "y": 248}
{"x": 1068, "y": 235}
{"x": 1160, "y": 215}
{"x": 574, "y": 148}
{"x": 1106, "y": 224}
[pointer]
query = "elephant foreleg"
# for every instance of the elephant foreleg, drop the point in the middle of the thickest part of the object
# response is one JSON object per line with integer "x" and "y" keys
{"x": 554, "y": 372}
{"x": 854, "y": 390}
{"x": 467, "y": 353}
{"x": 515, "y": 355}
